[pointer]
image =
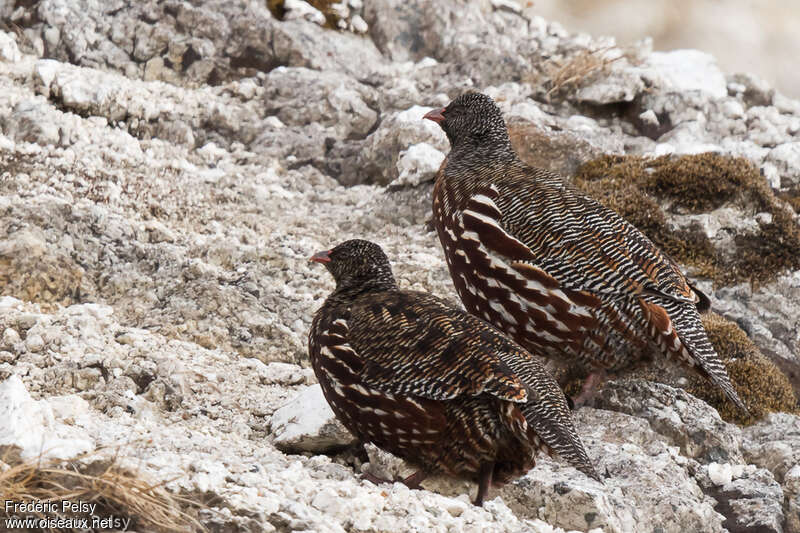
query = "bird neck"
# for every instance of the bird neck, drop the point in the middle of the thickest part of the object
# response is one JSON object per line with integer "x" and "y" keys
{"x": 468, "y": 166}
{"x": 350, "y": 288}
{"x": 496, "y": 150}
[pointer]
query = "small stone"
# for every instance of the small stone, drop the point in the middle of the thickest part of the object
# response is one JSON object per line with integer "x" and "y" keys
{"x": 720, "y": 474}
{"x": 10, "y": 338}
{"x": 86, "y": 378}
{"x": 124, "y": 337}
{"x": 359, "y": 24}
{"x": 298, "y": 9}
{"x": 34, "y": 343}
{"x": 649, "y": 117}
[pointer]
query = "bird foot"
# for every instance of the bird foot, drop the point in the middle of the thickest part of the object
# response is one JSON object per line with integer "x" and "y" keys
{"x": 412, "y": 481}
{"x": 588, "y": 389}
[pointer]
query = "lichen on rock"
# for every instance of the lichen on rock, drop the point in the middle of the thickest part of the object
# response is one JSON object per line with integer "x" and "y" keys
{"x": 638, "y": 187}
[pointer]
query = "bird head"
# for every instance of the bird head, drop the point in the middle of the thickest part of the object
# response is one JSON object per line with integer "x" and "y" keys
{"x": 472, "y": 119}
{"x": 356, "y": 263}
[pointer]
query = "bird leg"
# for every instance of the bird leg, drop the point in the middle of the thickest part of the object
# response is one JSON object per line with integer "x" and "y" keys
{"x": 587, "y": 390}
{"x": 413, "y": 481}
{"x": 375, "y": 480}
{"x": 484, "y": 480}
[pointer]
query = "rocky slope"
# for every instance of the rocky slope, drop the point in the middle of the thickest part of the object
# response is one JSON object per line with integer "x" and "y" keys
{"x": 166, "y": 169}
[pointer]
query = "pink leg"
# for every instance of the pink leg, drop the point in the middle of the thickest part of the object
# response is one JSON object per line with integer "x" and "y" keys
{"x": 412, "y": 481}
{"x": 372, "y": 478}
{"x": 588, "y": 389}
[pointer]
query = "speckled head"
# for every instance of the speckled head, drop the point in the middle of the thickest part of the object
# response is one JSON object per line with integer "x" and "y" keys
{"x": 473, "y": 120}
{"x": 356, "y": 263}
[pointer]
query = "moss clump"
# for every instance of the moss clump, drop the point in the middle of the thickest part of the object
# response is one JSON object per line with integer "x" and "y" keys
{"x": 704, "y": 182}
{"x": 698, "y": 183}
{"x": 759, "y": 383}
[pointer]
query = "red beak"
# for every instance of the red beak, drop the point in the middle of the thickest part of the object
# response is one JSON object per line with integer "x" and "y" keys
{"x": 321, "y": 257}
{"x": 437, "y": 115}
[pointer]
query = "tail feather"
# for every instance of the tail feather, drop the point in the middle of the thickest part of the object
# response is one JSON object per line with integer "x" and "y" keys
{"x": 677, "y": 330}
{"x": 561, "y": 437}
{"x": 547, "y": 413}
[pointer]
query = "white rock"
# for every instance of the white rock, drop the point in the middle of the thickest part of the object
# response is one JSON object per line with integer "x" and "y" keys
{"x": 10, "y": 338}
{"x": 29, "y": 425}
{"x": 395, "y": 134}
{"x": 772, "y": 175}
{"x": 418, "y": 164}
{"x": 358, "y": 24}
{"x": 8, "y": 48}
{"x": 510, "y": 5}
{"x": 298, "y": 9}
{"x": 649, "y": 117}
{"x": 34, "y": 343}
{"x": 307, "y": 423}
{"x": 733, "y": 109}
{"x": 68, "y": 407}
{"x": 786, "y": 159}
{"x": 274, "y": 122}
{"x": 687, "y": 70}
{"x": 720, "y": 473}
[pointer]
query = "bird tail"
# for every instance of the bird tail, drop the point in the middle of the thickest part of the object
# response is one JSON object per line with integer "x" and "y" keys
{"x": 677, "y": 330}
{"x": 560, "y": 436}
{"x": 549, "y": 420}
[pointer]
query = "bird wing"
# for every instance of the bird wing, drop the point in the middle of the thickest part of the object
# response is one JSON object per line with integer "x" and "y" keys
{"x": 413, "y": 344}
{"x": 581, "y": 243}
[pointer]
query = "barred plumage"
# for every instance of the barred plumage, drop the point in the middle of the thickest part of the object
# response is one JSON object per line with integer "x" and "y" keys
{"x": 552, "y": 267}
{"x": 430, "y": 383}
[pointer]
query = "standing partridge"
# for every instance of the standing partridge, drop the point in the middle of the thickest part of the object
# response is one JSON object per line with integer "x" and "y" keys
{"x": 430, "y": 383}
{"x": 554, "y": 269}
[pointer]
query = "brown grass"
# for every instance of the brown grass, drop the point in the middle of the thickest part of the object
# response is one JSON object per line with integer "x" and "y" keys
{"x": 577, "y": 70}
{"x": 117, "y": 491}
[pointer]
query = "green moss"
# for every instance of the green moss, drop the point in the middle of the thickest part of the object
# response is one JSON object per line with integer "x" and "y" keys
{"x": 631, "y": 185}
{"x": 760, "y": 384}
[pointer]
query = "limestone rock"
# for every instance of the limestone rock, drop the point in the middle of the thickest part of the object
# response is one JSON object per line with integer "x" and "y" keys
{"x": 378, "y": 158}
{"x": 298, "y": 96}
{"x": 686, "y": 70}
{"x": 29, "y": 430}
{"x": 748, "y": 497}
{"x": 418, "y": 164}
{"x": 682, "y": 419}
{"x": 647, "y": 485}
{"x": 8, "y": 48}
{"x": 791, "y": 490}
{"x": 307, "y": 424}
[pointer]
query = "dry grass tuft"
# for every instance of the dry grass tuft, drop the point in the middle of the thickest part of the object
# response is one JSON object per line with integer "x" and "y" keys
{"x": 118, "y": 492}
{"x": 577, "y": 70}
